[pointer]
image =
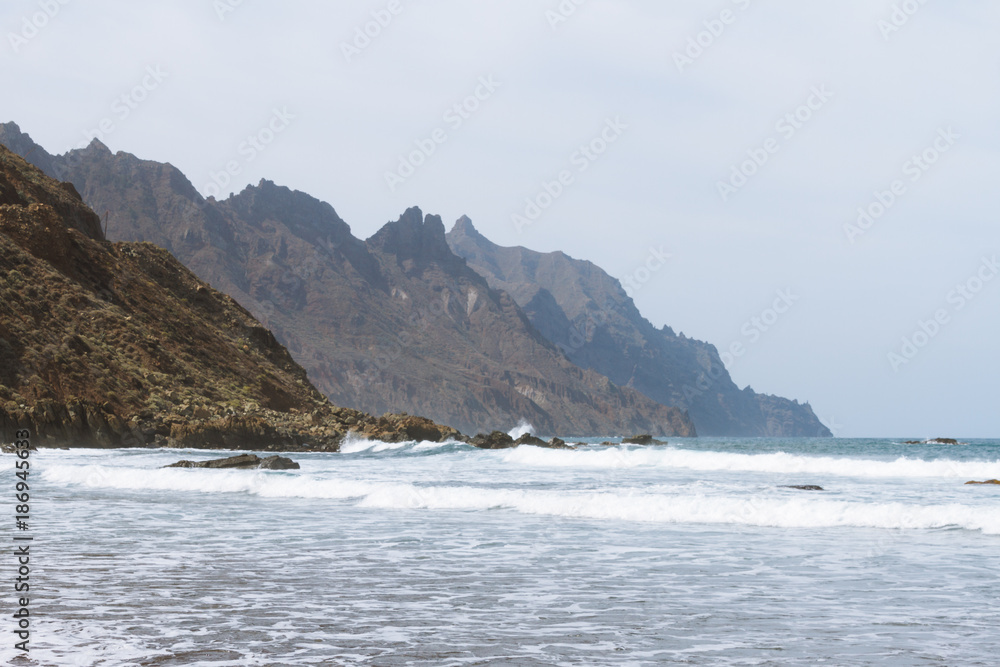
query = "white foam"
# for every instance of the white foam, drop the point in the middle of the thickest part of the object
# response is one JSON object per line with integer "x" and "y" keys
{"x": 522, "y": 429}
{"x": 780, "y": 462}
{"x": 773, "y": 508}
{"x": 663, "y": 508}
{"x": 354, "y": 444}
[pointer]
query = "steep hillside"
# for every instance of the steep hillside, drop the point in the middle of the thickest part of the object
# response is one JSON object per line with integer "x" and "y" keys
{"x": 118, "y": 344}
{"x": 394, "y": 323}
{"x": 584, "y": 311}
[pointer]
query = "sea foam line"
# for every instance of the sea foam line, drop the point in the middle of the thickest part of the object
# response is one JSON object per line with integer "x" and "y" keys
{"x": 779, "y": 462}
{"x": 771, "y": 510}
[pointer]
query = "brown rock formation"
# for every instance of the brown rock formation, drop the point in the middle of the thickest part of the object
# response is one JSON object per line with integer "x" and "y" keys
{"x": 108, "y": 345}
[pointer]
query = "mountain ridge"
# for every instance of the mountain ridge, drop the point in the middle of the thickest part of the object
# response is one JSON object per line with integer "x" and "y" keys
{"x": 117, "y": 344}
{"x": 269, "y": 247}
{"x": 590, "y": 317}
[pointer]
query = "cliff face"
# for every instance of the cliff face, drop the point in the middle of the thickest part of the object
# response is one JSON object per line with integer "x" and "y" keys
{"x": 394, "y": 323}
{"x": 587, "y": 314}
{"x": 105, "y": 345}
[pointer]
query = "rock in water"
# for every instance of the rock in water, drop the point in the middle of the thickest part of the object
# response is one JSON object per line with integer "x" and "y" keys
{"x": 495, "y": 440}
{"x": 557, "y": 443}
{"x": 241, "y": 462}
{"x": 804, "y": 487}
{"x": 642, "y": 440}
{"x": 528, "y": 439}
{"x": 989, "y": 481}
{"x": 933, "y": 441}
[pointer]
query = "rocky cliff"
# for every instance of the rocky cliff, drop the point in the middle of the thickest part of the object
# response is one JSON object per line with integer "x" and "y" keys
{"x": 587, "y": 314}
{"x": 394, "y": 323}
{"x": 118, "y": 344}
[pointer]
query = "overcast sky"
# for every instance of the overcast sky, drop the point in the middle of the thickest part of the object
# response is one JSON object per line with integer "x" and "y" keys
{"x": 830, "y": 102}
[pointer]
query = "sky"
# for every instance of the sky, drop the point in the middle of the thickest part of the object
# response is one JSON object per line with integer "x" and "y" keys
{"x": 810, "y": 185}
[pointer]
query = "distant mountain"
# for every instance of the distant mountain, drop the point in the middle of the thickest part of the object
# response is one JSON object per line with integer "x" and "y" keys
{"x": 117, "y": 344}
{"x": 587, "y": 314}
{"x": 394, "y": 323}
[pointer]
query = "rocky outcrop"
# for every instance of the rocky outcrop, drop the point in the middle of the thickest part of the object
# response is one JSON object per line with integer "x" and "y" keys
{"x": 989, "y": 481}
{"x": 588, "y": 315}
{"x": 500, "y": 440}
{"x": 494, "y": 440}
{"x": 397, "y": 323}
{"x": 803, "y": 487}
{"x": 241, "y": 462}
{"x": 642, "y": 440}
{"x": 934, "y": 441}
{"x": 119, "y": 345}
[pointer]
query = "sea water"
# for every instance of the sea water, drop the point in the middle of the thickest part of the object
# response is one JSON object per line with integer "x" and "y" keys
{"x": 693, "y": 553}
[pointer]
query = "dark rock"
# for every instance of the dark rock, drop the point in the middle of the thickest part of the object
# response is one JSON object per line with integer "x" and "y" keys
{"x": 278, "y": 463}
{"x": 557, "y": 443}
{"x": 642, "y": 440}
{"x": 241, "y": 462}
{"x": 989, "y": 481}
{"x": 805, "y": 487}
{"x": 495, "y": 440}
{"x": 943, "y": 441}
{"x": 530, "y": 440}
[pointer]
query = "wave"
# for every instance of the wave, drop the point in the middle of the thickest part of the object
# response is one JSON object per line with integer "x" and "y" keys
{"x": 355, "y": 445}
{"x": 780, "y": 462}
{"x": 773, "y": 508}
{"x": 522, "y": 429}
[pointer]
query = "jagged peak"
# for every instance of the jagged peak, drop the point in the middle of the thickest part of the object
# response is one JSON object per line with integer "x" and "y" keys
{"x": 463, "y": 228}
{"x": 301, "y": 211}
{"x": 98, "y": 146}
{"x": 413, "y": 235}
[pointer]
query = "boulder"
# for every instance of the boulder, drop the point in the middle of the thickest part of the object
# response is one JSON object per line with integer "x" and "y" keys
{"x": 803, "y": 487}
{"x": 642, "y": 440}
{"x": 989, "y": 481}
{"x": 241, "y": 462}
{"x": 528, "y": 439}
{"x": 557, "y": 443}
{"x": 495, "y": 440}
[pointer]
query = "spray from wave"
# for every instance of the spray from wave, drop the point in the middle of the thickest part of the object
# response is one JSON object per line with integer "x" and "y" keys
{"x": 522, "y": 429}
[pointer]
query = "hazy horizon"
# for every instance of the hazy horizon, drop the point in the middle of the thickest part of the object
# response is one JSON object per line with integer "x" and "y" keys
{"x": 825, "y": 112}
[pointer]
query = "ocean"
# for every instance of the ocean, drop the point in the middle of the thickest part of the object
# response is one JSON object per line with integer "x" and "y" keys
{"x": 693, "y": 553}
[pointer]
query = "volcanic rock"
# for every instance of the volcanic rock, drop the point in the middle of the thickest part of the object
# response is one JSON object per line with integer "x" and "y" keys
{"x": 241, "y": 462}
{"x": 495, "y": 440}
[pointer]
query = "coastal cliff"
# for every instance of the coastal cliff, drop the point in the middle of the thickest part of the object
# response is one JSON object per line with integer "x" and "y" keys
{"x": 118, "y": 344}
